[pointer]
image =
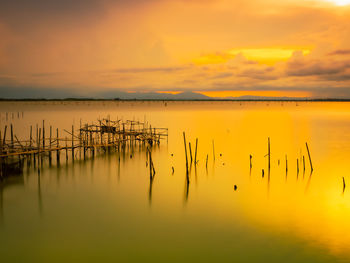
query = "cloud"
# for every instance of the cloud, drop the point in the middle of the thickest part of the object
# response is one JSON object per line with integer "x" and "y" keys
{"x": 340, "y": 52}
{"x": 302, "y": 66}
{"x": 150, "y": 70}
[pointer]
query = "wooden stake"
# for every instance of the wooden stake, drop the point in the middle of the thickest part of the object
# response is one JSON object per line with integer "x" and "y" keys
{"x": 206, "y": 162}
{"x": 73, "y": 142}
{"x": 185, "y": 152}
{"x": 195, "y": 154}
{"x": 4, "y": 140}
{"x": 269, "y": 153}
{"x": 308, "y": 152}
{"x": 297, "y": 166}
{"x": 12, "y": 145}
{"x": 44, "y": 134}
{"x": 190, "y": 149}
{"x": 58, "y": 146}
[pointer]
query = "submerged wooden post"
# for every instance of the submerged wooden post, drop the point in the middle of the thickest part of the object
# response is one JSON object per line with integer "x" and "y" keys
{"x": 12, "y": 145}
{"x": 185, "y": 151}
{"x": 58, "y": 148}
{"x": 343, "y": 184}
{"x": 250, "y": 161}
{"x": 66, "y": 149}
{"x": 30, "y": 138}
{"x": 297, "y": 166}
{"x": 286, "y": 164}
{"x": 50, "y": 144}
{"x": 206, "y": 162}
{"x": 304, "y": 163}
{"x": 308, "y": 152}
{"x": 4, "y": 140}
{"x": 189, "y": 144}
{"x": 44, "y": 134}
{"x": 195, "y": 154}
{"x": 269, "y": 153}
{"x": 72, "y": 142}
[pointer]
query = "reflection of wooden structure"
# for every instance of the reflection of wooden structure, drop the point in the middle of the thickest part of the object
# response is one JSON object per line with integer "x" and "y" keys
{"x": 105, "y": 135}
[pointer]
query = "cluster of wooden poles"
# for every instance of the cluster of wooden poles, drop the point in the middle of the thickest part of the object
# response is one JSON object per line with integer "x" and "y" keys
{"x": 89, "y": 138}
{"x": 302, "y": 159}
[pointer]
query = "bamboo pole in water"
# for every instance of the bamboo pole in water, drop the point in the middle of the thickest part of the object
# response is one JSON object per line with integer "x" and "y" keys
{"x": 66, "y": 149}
{"x": 206, "y": 162}
{"x": 190, "y": 149}
{"x": 195, "y": 154}
{"x": 308, "y": 152}
{"x": 269, "y": 153}
{"x": 297, "y": 166}
{"x": 72, "y": 142}
{"x": 4, "y": 140}
{"x": 185, "y": 151}
{"x": 50, "y": 144}
{"x": 12, "y": 145}
{"x": 58, "y": 146}
{"x": 44, "y": 134}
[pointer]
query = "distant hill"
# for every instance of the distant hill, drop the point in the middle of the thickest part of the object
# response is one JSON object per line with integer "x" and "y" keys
{"x": 29, "y": 93}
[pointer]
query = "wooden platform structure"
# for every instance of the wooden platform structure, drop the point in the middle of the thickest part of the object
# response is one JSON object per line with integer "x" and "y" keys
{"x": 105, "y": 135}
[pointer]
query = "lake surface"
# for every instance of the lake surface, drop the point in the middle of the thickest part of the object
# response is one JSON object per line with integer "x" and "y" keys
{"x": 103, "y": 210}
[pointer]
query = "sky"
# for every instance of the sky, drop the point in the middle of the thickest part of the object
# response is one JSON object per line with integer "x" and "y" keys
{"x": 219, "y": 48}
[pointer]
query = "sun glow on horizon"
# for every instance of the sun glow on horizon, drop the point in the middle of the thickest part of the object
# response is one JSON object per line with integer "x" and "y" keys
{"x": 340, "y": 2}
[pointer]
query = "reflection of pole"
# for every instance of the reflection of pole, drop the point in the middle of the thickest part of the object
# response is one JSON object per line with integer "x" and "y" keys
{"x": 1, "y": 207}
{"x": 40, "y": 204}
{"x": 150, "y": 190}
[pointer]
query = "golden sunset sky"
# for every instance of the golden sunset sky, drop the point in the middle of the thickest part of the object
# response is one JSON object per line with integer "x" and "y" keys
{"x": 219, "y": 48}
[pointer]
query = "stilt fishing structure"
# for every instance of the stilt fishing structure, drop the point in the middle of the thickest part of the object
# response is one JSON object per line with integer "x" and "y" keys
{"x": 88, "y": 140}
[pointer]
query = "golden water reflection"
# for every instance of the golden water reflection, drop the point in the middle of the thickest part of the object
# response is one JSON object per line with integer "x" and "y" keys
{"x": 290, "y": 205}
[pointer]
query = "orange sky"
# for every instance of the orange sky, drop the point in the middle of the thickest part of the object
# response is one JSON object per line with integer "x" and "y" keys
{"x": 236, "y": 47}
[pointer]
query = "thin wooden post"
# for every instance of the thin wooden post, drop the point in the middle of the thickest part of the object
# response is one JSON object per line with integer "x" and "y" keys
{"x": 4, "y": 140}
{"x": 269, "y": 153}
{"x": 66, "y": 149}
{"x": 304, "y": 163}
{"x": 190, "y": 149}
{"x": 44, "y": 134}
{"x": 195, "y": 154}
{"x": 206, "y": 162}
{"x": 50, "y": 144}
{"x": 73, "y": 142}
{"x": 12, "y": 145}
{"x": 30, "y": 137}
{"x": 58, "y": 147}
{"x": 286, "y": 164}
{"x": 297, "y": 166}
{"x": 185, "y": 151}
{"x": 308, "y": 152}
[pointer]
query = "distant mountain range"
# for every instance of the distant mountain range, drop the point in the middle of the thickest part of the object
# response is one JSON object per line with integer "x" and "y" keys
{"x": 8, "y": 93}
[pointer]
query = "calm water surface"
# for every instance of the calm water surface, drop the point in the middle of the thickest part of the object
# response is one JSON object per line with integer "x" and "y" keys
{"x": 103, "y": 210}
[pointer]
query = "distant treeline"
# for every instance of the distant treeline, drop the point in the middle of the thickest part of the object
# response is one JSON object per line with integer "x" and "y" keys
{"x": 118, "y": 99}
